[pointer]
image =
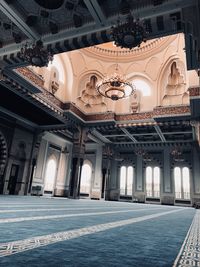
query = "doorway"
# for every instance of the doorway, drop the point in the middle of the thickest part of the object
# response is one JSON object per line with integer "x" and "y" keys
{"x": 86, "y": 179}
{"x": 13, "y": 179}
{"x": 50, "y": 176}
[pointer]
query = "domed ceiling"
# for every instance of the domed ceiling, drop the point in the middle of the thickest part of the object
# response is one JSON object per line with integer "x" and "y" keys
{"x": 108, "y": 51}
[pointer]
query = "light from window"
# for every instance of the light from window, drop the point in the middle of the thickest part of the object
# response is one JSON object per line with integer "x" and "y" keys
{"x": 85, "y": 179}
{"x": 156, "y": 182}
{"x": 122, "y": 180}
{"x": 58, "y": 65}
{"x": 50, "y": 175}
{"x": 126, "y": 181}
{"x": 129, "y": 180}
{"x": 182, "y": 182}
{"x": 186, "y": 183}
{"x": 149, "y": 181}
{"x": 152, "y": 182}
{"x": 177, "y": 177}
{"x": 143, "y": 87}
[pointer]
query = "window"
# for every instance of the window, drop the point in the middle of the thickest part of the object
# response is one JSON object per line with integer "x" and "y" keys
{"x": 152, "y": 181}
{"x": 85, "y": 179}
{"x": 126, "y": 181}
{"x": 182, "y": 183}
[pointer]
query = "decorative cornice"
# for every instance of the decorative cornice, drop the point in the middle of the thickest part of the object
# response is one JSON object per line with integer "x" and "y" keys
{"x": 148, "y": 49}
{"x": 171, "y": 111}
{"x": 31, "y": 76}
{"x": 49, "y": 101}
{"x": 194, "y": 91}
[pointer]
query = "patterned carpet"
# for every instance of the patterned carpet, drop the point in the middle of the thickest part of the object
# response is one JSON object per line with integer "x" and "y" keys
{"x": 53, "y": 232}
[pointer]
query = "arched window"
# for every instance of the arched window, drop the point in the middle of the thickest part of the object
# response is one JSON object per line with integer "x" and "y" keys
{"x": 85, "y": 179}
{"x": 143, "y": 87}
{"x": 152, "y": 181}
{"x": 50, "y": 176}
{"x": 182, "y": 183}
{"x": 126, "y": 181}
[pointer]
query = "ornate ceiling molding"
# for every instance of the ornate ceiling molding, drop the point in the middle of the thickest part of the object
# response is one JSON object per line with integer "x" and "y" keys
{"x": 146, "y": 50}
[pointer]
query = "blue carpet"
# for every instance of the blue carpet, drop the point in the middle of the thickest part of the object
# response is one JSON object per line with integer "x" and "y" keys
{"x": 151, "y": 243}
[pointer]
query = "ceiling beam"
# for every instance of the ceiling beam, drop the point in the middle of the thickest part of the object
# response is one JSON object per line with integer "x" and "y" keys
{"x": 14, "y": 16}
{"x": 129, "y": 135}
{"x": 69, "y": 34}
{"x": 166, "y": 7}
{"x": 155, "y": 142}
{"x": 96, "y": 12}
{"x": 95, "y": 139}
{"x": 159, "y": 132}
{"x": 114, "y": 135}
{"x": 178, "y": 132}
{"x": 100, "y": 136}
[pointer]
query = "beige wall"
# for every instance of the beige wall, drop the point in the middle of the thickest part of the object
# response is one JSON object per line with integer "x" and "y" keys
{"x": 159, "y": 64}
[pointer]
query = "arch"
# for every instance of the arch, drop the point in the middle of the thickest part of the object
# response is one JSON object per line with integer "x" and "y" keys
{"x": 57, "y": 66}
{"x": 88, "y": 98}
{"x": 126, "y": 180}
{"x": 153, "y": 181}
{"x": 171, "y": 87}
{"x": 86, "y": 175}
{"x": 182, "y": 182}
{"x": 50, "y": 175}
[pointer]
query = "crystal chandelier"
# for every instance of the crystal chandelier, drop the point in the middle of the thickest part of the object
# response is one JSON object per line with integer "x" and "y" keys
{"x": 35, "y": 54}
{"x": 115, "y": 86}
{"x": 130, "y": 33}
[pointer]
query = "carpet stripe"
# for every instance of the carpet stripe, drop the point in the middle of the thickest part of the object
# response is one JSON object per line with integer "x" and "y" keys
{"x": 50, "y": 217}
{"x": 189, "y": 254}
{"x": 57, "y": 209}
{"x": 10, "y": 248}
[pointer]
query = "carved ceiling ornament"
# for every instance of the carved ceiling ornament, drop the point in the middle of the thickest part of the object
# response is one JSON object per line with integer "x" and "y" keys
{"x": 175, "y": 85}
{"x": 135, "y": 102}
{"x": 90, "y": 100}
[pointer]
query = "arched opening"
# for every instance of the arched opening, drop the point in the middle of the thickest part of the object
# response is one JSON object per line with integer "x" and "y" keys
{"x": 50, "y": 176}
{"x": 182, "y": 183}
{"x": 153, "y": 182}
{"x": 126, "y": 181}
{"x": 85, "y": 184}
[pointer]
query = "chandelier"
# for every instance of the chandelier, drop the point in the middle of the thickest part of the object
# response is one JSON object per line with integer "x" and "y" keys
{"x": 177, "y": 154}
{"x": 144, "y": 154}
{"x": 130, "y": 33}
{"x": 115, "y": 86}
{"x": 35, "y": 54}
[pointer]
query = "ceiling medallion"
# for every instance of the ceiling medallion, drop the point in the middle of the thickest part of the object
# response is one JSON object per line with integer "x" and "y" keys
{"x": 130, "y": 33}
{"x": 115, "y": 86}
{"x": 35, "y": 54}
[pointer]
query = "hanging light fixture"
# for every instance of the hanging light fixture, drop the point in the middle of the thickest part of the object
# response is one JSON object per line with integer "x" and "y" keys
{"x": 35, "y": 54}
{"x": 177, "y": 154}
{"x": 115, "y": 86}
{"x": 144, "y": 154}
{"x": 129, "y": 34}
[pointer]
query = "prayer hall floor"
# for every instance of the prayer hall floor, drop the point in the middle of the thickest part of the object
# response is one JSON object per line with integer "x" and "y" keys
{"x": 38, "y": 231}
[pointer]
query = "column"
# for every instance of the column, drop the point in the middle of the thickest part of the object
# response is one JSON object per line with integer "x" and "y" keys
{"x": 167, "y": 184}
{"x": 77, "y": 162}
